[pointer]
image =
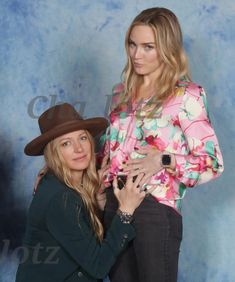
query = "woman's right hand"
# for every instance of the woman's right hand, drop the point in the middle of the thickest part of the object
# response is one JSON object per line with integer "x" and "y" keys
{"x": 131, "y": 196}
{"x": 40, "y": 175}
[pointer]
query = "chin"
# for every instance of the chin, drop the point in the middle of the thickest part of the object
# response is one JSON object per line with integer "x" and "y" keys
{"x": 140, "y": 72}
{"x": 80, "y": 166}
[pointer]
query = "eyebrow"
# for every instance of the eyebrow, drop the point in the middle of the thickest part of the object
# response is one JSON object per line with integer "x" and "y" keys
{"x": 65, "y": 138}
{"x": 145, "y": 43}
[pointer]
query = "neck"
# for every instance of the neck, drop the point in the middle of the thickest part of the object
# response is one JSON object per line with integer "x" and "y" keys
{"x": 77, "y": 177}
{"x": 147, "y": 81}
{"x": 146, "y": 89}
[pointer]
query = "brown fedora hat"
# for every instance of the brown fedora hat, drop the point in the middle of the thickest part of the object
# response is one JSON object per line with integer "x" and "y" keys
{"x": 59, "y": 120}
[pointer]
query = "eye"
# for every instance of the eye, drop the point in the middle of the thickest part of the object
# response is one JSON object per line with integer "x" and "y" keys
{"x": 131, "y": 44}
{"x": 65, "y": 144}
{"x": 84, "y": 137}
{"x": 148, "y": 47}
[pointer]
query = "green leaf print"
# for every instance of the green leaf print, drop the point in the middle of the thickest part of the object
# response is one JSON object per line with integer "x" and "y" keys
{"x": 193, "y": 175}
{"x": 182, "y": 190}
{"x": 123, "y": 115}
{"x": 203, "y": 95}
{"x": 210, "y": 148}
{"x": 113, "y": 134}
{"x": 138, "y": 132}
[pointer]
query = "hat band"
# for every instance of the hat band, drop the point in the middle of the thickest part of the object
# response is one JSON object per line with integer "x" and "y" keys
{"x": 57, "y": 127}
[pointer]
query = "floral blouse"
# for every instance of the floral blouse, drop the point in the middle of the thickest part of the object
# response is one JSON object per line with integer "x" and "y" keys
{"x": 181, "y": 126}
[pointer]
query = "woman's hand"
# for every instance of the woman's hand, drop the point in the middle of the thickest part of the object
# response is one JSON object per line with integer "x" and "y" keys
{"x": 102, "y": 172}
{"x": 149, "y": 165}
{"x": 130, "y": 196}
{"x": 40, "y": 175}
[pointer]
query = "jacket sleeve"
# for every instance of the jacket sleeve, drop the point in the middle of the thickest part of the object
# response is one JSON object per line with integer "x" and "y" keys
{"x": 203, "y": 161}
{"x": 68, "y": 222}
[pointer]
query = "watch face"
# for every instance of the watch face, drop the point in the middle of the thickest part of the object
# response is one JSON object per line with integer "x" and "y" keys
{"x": 166, "y": 160}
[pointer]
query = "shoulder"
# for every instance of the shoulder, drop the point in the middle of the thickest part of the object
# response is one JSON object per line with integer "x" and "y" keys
{"x": 191, "y": 89}
{"x": 55, "y": 190}
{"x": 117, "y": 92}
{"x": 67, "y": 205}
{"x": 50, "y": 185}
{"x": 118, "y": 88}
{"x": 193, "y": 101}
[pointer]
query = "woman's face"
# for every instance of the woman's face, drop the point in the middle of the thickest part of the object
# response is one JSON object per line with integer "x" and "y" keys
{"x": 75, "y": 148}
{"x": 143, "y": 51}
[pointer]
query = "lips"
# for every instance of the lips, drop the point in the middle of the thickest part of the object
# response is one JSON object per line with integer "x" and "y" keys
{"x": 138, "y": 65}
{"x": 80, "y": 158}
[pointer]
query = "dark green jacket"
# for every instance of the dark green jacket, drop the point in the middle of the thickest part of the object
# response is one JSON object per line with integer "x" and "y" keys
{"x": 60, "y": 244}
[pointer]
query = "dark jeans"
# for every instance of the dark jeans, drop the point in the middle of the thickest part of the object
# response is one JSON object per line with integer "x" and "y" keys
{"x": 153, "y": 255}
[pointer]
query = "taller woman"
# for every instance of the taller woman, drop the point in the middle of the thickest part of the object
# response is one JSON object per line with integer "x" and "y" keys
{"x": 159, "y": 126}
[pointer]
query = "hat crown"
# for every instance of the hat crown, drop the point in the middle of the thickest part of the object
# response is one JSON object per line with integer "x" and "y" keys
{"x": 59, "y": 120}
{"x": 56, "y": 116}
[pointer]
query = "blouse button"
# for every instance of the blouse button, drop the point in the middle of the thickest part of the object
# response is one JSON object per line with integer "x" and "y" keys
{"x": 80, "y": 274}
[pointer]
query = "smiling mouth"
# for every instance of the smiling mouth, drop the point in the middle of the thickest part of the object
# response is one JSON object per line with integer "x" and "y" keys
{"x": 80, "y": 158}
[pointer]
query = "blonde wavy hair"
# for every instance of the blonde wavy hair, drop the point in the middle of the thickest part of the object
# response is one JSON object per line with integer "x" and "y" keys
{"x": 169, "y": 42}
{"x": 90, "y": 181}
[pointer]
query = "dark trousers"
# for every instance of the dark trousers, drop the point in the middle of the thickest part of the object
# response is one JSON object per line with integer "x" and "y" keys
{"x": 153, "y": 255}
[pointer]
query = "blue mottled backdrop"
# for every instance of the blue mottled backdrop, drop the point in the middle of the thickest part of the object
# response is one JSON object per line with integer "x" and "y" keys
{"x": 72, "y": 50}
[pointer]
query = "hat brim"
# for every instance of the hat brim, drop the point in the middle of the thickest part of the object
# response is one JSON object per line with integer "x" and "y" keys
{"x": 93, "y": 125}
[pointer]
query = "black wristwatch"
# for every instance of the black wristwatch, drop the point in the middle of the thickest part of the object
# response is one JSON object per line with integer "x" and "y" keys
{"x": 166, "y": 160}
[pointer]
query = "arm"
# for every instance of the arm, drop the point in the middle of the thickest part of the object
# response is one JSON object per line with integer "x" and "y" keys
{"x": 204, "y": 161}
{"x": 68, "y": 223}
{"x": 199, "y": 159}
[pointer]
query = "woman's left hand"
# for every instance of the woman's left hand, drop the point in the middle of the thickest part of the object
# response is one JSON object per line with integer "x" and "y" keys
{"x": 149, "y": 165}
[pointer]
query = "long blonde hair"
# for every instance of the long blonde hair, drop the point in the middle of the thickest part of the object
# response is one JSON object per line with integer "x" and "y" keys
{"x": 90, "y": 182}
{"x": 168, "y": 37}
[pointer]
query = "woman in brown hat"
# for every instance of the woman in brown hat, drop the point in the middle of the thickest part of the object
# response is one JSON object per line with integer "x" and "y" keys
{"x": 64, "y": 236}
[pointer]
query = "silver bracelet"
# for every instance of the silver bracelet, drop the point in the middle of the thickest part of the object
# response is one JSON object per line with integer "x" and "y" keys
{"x": 125, "y": 217}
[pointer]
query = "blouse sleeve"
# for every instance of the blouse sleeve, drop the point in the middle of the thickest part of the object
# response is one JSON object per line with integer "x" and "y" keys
{"x": 204, "y": 161}
{"x": 68, "y": 223}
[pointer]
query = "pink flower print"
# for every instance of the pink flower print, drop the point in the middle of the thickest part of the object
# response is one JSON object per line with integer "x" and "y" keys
{"x": 112, "y": 117}
{"x": 176, "y": 122}
{"x": 150, "y": 140}
{"x": 175, "y": 145}
{"x": 118, "y": 88}
{"x": 115, "y": 146}
{"x": 156, "y": 142}
{"x": 162, "y": 177}
{"x": 195, "y": 144}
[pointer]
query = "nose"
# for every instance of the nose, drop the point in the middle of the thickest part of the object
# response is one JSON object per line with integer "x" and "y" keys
{"x": 137, "y": 53}
{"x": 78, "y": 147}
